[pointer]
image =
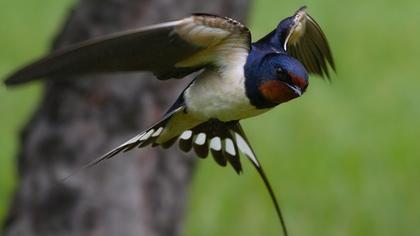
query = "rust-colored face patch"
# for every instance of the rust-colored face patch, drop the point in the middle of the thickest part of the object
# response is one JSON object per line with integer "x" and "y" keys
{"x": 276, "y": 91}
{"x": 300, "y": 82}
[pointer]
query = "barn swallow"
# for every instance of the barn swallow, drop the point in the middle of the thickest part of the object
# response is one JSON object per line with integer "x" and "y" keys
{"x": 237, "y": 79}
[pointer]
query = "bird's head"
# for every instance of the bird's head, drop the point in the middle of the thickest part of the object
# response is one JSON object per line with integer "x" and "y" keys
{"x": 285, "y": 78}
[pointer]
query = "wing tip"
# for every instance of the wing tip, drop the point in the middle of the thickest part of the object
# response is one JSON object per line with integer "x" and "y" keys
{"x": 330, "y": 67}
{"x": 12, "y": 81}
{"x": 19, "y": 77}
{"x": 7, "y": 83}
{"x": 326, "y": 73}
{"x": 302, "y": 9}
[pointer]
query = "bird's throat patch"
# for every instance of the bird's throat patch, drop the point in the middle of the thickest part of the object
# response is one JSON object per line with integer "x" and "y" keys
{"x": 276, "y": 91}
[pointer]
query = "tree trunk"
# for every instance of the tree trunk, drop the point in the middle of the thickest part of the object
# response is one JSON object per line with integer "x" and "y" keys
{"x": 142, "y": 192}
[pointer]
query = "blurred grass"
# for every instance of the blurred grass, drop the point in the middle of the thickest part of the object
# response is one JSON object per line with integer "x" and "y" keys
{"x": 343, "y": 159}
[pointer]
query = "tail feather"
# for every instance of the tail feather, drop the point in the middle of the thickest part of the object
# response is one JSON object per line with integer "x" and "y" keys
{"x": 166, "y": 144}
{"x": 185, "y": 141}
{"x": 225, "y": 140}
{"x": 143, "y": 139}
{"x": 216, "y": 151}
{"x": 246, "y": 149}
{"x": 201, "y": 146}
{"x": 213, "y": 136}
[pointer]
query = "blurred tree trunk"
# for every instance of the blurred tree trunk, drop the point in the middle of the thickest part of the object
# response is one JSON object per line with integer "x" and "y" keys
{"x": 137, "y": 193}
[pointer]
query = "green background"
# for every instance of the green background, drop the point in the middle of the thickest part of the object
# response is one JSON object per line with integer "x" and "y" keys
{"x": 343, "y": 159}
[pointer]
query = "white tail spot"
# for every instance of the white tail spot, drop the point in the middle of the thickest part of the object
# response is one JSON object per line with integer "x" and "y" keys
{"x": 158, "y": 132}
{"x": 201, "y": 139}
{"x": 147, "y": 135}
{"x": 230, "y": 148}
{"x": 186, "y": 135}
{"x": 216, "y": 144}
{"x": 133, "y": 140}
{"x": 244, "y": 147}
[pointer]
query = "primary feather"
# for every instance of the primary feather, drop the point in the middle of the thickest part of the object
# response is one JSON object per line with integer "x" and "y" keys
{"x": 169, "y": 50}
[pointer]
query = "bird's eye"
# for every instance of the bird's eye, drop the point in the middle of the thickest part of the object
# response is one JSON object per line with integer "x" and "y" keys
{"x": 279, "y": 71}
{"x": 283, "y": 75}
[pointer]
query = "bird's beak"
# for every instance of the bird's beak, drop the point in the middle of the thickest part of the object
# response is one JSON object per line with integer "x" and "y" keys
{"x": 295, "y": 89}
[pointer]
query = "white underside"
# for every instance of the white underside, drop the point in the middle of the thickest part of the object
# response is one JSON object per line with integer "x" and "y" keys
{"x": 220, "y": 92}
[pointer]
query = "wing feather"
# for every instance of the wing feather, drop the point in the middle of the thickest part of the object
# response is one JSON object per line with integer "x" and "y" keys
{"x": 169, "y": 50}
{"x": 307, "y": 42}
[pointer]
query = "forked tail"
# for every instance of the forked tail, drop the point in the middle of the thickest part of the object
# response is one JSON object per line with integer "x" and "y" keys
{"x": 224, "y": 140}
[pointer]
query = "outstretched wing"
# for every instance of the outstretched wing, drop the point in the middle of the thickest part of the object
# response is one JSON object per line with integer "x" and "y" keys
{"x": 169, "y": 50}
{"x": 306, "y": 42}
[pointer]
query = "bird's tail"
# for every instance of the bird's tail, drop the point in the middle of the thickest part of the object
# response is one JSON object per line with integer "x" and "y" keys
{"x": 224, "y": 140}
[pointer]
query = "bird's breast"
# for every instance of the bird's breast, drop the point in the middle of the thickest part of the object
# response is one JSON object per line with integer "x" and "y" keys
{"x": 220, "y": 95}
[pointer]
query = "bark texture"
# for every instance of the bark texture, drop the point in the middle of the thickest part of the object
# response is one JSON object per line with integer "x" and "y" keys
{"x": 142, "y": 192}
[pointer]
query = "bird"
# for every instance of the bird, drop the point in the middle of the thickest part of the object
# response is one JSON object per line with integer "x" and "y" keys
{"x": 235, "y": 78}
